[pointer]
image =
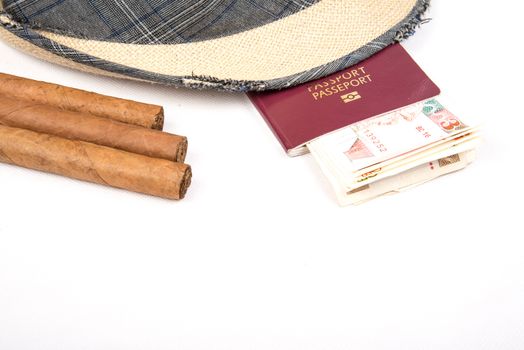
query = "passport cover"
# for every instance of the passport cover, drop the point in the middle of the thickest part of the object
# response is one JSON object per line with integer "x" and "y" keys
{"x": 387, "y": 81}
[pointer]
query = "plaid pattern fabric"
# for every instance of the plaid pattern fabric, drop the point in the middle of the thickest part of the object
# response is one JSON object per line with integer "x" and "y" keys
{"x": 16, "y": 15}
{"x": 151, "y": 21}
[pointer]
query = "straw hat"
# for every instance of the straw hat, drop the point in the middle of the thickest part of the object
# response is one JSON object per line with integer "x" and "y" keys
{"x": 236, "y": 45}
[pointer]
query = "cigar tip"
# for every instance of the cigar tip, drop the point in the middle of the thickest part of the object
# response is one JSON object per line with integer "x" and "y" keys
{"x": 186, "y": 182}
{"x": 158, "y": 123}
{"x": 181, "y": 151}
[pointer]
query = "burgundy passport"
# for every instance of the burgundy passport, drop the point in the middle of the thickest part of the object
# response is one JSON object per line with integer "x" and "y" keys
{"x": 387, "y": 81}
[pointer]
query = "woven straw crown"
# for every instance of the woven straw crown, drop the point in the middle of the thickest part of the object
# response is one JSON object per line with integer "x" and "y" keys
{"x": 221, "y": 44}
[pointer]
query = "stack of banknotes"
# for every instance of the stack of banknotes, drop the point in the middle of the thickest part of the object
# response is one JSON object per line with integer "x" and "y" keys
{"x": 395, "y": 151}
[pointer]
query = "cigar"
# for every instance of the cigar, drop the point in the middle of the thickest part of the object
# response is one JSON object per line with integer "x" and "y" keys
{"x": 86, "y": 127}
{"x": 89, "y": 162}
{"x": 126, "y": 111}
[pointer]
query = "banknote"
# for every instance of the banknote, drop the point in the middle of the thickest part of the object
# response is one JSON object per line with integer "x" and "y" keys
{"x": 470, "y": 142}
{"x": 345, "y": 181}
{"x": 352, "y": 159}
{"x": 439, "y": 145}
{"x": 408, "y": 179}
{"x": 379, "y": 153}
{"x": 343, "y": 186}
{"x": 386, "y": 137}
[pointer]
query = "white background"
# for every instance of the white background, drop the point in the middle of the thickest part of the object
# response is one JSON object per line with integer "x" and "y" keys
{"x": 259, "y": 255}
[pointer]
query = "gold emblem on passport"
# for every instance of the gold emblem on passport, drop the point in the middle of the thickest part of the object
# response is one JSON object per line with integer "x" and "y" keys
{"x": 352, "y": 96}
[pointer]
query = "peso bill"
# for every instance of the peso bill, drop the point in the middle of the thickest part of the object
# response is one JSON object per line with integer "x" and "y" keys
{"x": 408, "y": 179}
{"x": 384, "y": 138}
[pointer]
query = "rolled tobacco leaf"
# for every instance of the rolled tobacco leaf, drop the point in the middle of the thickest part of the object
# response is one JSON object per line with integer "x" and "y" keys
{"x": 126, "y": 111}
{"x": 89, "y": 162}
{"x": 86, "y": 127}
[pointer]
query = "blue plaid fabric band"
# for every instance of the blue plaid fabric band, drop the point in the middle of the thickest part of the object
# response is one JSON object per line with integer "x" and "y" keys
{"x": 157, "y": 22}
{"x": 152, "y": 21}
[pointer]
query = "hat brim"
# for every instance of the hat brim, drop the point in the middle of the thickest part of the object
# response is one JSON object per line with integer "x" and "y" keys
{"x": 319, "y": 40}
